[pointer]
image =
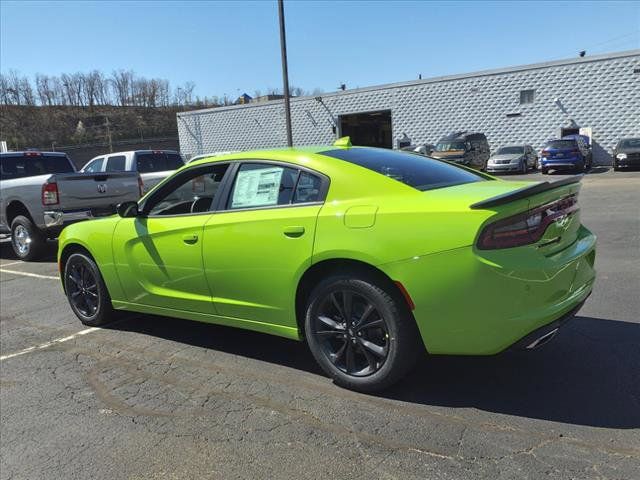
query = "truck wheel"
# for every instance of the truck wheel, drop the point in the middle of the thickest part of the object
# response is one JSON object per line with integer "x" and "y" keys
{"x": 27, "y": 241}
{"x": 360, "y": 332}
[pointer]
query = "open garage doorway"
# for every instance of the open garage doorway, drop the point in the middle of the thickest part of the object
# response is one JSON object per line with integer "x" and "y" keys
{"x": 370, "y": 129}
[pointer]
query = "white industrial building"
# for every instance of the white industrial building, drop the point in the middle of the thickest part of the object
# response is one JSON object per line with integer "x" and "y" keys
{"x": 594, "y": 95}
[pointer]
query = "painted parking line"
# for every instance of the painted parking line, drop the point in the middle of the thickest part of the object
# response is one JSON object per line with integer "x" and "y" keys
{"x": 48, "y": 344}
{"x": 27, "y": 274}
{"x": 10, "y": 263}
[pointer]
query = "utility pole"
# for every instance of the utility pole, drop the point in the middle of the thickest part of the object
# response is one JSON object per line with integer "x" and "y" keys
{"x": 106, "y": 124}
{"x": 285, "y": 73}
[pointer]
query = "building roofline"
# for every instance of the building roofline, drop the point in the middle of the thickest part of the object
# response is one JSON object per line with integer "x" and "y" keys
{"x": 444, "y": 78}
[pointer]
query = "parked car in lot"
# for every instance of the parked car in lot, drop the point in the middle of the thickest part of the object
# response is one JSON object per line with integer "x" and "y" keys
{"x": 370, "y": 273}
{"x": 465, "y": 148}
{"x": 626, "y": 153}
{"x": 514, "y": 158}
{"x": 40, "y": 193}
{"x": 152, "y": 165}
{"x": 566, "y": 154}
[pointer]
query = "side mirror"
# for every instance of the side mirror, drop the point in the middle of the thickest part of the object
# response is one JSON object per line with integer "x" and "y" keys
{"x": 127, "y": 209}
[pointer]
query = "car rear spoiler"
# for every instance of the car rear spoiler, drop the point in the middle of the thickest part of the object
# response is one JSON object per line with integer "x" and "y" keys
{"x": 525, "y": 192}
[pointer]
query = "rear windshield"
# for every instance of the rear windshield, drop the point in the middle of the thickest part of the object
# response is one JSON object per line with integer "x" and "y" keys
{"x": 509, "y": 150}
{"x": 158, "y": 162}
{"x": 561, "y": 144}
{"x": 417, "y": 171}
{"x": 19, "y": 166}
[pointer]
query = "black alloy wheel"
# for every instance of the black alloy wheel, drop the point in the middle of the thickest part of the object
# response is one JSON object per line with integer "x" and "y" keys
{"x": 352, "y": 333}
{"x": 86, "y": 290}
{"x": 83, "y": 289}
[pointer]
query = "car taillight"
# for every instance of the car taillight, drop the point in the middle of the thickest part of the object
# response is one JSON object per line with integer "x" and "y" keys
{"x": 50, "y": 193}
{"x": 140, "y": 185}
{"x": 527, "y": 228}
{"x": 545, "y": 153}
{"x": 575, "y": 151}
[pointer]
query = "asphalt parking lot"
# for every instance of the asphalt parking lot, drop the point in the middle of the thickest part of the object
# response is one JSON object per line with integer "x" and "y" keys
{"x": 158, "y": 398}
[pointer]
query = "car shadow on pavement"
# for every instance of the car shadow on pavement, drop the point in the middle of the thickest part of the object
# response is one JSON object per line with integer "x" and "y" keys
{"x": 589, "y": 375}
{"x": 50, "y": 253}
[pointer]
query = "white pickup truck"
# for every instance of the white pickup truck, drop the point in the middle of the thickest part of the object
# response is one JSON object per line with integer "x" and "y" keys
{"x": 41, "y": 192}
{"x": 152, "y": 165}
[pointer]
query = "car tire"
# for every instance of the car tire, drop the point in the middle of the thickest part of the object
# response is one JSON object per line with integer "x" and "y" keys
{"x": 86, "y": 291}
{"x": 545, "y": 171}
{"x": 27, "y": 240}
{"x": 523, "y": 167}
{"x": 361, "y": 351}
{"x": 615, "y": 167}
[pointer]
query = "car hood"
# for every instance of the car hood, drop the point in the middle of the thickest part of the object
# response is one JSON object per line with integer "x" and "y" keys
{"x": 629, "y": 150}
{"x": 506, "y": 156}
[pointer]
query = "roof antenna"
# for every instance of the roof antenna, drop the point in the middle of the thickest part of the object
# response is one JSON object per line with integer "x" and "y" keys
{"x": 582, "y": 53}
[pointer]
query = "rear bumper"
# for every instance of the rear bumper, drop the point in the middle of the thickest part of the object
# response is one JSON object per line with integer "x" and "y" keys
{"x": 59, "y": 218}
{"x": 544, "y": 334}
{"x": 470, "y": 302}
{"x": 565, "y": 163}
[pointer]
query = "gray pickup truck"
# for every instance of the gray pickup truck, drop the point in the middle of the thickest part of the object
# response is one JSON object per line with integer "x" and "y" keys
{"x": 41, "y": 192}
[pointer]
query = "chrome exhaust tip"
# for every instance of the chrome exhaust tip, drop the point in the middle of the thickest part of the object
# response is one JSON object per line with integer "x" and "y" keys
{"x": 538, "y": 342}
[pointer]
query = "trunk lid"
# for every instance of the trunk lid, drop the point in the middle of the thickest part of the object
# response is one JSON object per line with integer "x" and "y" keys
{"x": 554, "y": 201}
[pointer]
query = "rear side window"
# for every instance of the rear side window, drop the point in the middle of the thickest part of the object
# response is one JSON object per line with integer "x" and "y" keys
{"x": 158, "y": 162}
{"x": 116, "y": 163}
{"x": 20, "y": 166}
{"x": 308, "y": 188}
{"x": 417, "y": 171}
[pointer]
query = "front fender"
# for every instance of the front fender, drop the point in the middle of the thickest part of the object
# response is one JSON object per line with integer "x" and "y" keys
{"x": 96, "y": 237}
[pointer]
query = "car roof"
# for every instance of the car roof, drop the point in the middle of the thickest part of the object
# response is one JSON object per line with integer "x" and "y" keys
{"x": 292, "y": 154}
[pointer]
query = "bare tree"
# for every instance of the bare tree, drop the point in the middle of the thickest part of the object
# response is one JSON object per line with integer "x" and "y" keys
{"x": 122, "y": 81}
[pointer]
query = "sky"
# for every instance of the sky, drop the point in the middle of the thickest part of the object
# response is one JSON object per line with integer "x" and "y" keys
{"x": 233, "y": 47}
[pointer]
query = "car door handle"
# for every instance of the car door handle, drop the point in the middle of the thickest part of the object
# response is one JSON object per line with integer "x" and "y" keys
{"x": 190, "y": 239}
{"x": 294, "y": 231}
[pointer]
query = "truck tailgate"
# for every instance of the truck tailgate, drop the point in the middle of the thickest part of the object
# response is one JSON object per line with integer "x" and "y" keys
{"x": 83, "y": 191}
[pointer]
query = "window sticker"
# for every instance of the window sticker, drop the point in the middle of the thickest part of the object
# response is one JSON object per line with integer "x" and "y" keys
{"x": 257, "y": 188}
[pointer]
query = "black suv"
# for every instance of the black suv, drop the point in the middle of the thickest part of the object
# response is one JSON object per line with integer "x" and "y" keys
{"x": 626, "y": 153}
{"x": 465, "y": 148}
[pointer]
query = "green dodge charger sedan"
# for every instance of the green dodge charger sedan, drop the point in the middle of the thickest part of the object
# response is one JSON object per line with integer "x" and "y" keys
{"x": 372, "y": 256}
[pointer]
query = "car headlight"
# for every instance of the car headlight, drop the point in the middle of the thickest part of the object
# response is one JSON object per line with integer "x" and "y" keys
{"x": 621, "y": 156}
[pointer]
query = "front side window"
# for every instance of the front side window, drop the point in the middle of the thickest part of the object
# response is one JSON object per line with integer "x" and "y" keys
{"x": 94, "y": 166}
{"x": 421, "y": 173}
{"x": 263, "y": 185}
{"x": 193, "y": 191}
{"x": 116, "y": 163}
